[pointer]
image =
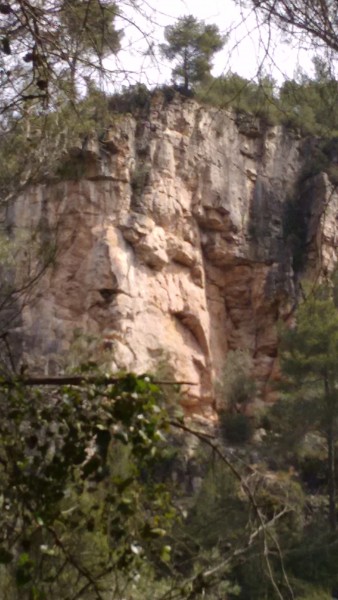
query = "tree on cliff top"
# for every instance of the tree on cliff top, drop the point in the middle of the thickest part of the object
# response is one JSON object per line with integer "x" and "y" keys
{"x": 192, "y": 44}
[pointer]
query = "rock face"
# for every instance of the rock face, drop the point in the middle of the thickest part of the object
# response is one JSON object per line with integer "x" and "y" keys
{"x": 176, "y": 245}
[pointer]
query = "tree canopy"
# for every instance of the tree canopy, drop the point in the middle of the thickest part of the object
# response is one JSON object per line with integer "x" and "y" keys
{"x": 314, "y": 18}
{"x": 192, "y": 44}
{"x": 309, "y": 359}
{"x": 47, "y": 44}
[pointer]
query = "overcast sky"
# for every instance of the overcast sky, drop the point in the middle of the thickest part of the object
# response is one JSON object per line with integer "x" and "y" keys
{"x": 248, "y": 51}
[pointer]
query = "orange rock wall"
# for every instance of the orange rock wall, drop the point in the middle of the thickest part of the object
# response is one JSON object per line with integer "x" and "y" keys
{"x": 173, "y": 246}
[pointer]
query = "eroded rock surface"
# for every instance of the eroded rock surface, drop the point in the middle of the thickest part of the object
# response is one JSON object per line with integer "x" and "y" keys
{"x": 174, "y": 245}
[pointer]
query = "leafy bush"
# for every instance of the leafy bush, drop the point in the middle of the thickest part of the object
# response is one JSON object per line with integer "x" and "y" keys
{"x": 73, "y": 464}
{"x": 46, "y": 138}
{"x": 242, "y": 95}
{"x": 140, "y": 177}
{"x": 306, "y": 105}
{"x": 132, "y": 99}
{"x": 236, "y": 387}
{"x": 311, "y": 106}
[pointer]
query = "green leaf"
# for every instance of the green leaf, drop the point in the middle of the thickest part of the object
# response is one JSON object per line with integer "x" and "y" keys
{"x": 24, "y": 570}
{"x": 166, "y": 553}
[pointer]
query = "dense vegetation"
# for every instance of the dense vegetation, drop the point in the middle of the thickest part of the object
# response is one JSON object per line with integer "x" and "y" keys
{"x": 306, "y": 104}
{"x": 105, "y": 490}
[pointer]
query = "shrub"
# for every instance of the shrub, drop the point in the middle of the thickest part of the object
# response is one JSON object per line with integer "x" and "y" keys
{"x": 133, "y": 98}
{"x": 236, "y": 387}
{"x": 140, "y": 178}
{"x": 236, "y": 428}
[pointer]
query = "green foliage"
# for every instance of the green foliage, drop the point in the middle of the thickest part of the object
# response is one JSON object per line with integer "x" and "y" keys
{"x": 213, "y": 537}
{"x": 192, "y": 44}
{"x": 140, "y": 177}
{"x": 87, "y": 483}
{"x": 164, "y": 371}
{"x": 236, "y": 428}
{"x": 53, "y": 47}
{"x": 91, "y": 25}
{"x": 131, "y": 100}
{"x": 310, "y": 349}
{"x": 214, "y": 523}
{"x": 236, "y": 387}
{"x": 244, "y": 96}
{"x": 78, "y": 510}
{"x": 303, "y": 104}
{"x": 46, "y": 140}
{"x": 23, "y": 262}
{"x": 219, "y": 512}
{"x": 312, "y": 593}
{"x": 234, "y": 392}
{"x": 309, "y": 353}
{"x": 313, "y": 561}
{"x": 309, "y": 356}
{"x": 310, "y": 104}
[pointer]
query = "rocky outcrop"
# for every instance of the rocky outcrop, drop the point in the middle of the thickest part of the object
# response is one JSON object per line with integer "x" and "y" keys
{"x": 175, "y": 245}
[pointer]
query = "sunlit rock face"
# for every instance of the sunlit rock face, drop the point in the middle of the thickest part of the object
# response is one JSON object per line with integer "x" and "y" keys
{"x": 175, "y": 245}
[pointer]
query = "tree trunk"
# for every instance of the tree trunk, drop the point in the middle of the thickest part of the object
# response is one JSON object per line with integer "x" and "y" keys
{"x": 331, "y": 478}
{"x": 331, "y": 459}
{"x": 185, "y": 72}
{"x": 72, "y": 80}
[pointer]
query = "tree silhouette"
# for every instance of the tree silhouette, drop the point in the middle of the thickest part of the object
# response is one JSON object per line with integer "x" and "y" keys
{"x": 192, "y": 44}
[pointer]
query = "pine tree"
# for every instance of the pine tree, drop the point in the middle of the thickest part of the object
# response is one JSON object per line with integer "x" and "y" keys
{"x": 192, "y": 44}
{"x": 309, "y": 363}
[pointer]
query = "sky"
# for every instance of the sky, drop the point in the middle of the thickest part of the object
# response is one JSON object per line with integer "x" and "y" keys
{"x": 250, "y": 49}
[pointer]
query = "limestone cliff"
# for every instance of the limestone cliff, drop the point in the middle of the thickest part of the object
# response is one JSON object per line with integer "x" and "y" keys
{"x": 178, "y": 241}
